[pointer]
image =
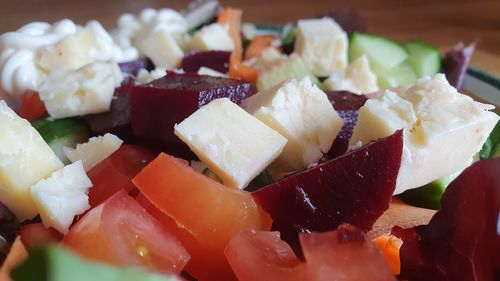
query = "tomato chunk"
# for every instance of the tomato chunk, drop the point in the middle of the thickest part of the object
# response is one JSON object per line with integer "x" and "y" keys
{"x": 34, "y": 235}
{"x": 116, "y": 172}
{"x": 32, "y": 107}
{"x": 209, "y": 211}
{"x": 121, "y": 232}
{"x": 261, "y": 255}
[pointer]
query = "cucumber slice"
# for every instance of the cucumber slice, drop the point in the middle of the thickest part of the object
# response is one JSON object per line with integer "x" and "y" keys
{"x": 429, "y": 195}
{"x": 60, "y": 133}
{"x": 491, "y": 148}
{"x": 261, "y": 180}
{"x": 382, "y": 53}
{"x": 55, "y": 263}
{"x": 400, "y": 75}
{"x": 423, "y": 58}
{"x": 293, "y": 67}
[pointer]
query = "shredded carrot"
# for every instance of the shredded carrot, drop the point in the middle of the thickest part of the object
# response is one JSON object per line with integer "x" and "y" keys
{"x": 232, "y": 18}
{"x": 258, "y": 44}
{"x": 32, "y": 107}
{"x": 390, "y": 245}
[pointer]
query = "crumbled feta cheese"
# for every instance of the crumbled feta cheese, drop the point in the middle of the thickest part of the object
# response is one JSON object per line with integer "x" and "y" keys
{"x": 62, "y": 196}
{"x": 94, "y": 151}
{"x": 144, "y": 76}
{"x": 356, "y": 78}
{"x": 212, "y": 37}
{"x": 210, "y": 72}
{"x": 232, "y": 143}
{"x": 86, "y": 90}
{"x": 322, "y": 44}
{"x": 302, "y": 113}
{"x": 443, "y": 129}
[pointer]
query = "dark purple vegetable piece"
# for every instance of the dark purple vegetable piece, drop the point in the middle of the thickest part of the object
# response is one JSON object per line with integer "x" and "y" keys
{"x": 133, "y": 67}
{"x": 216, "y": 60}
{"x": 355, "y": 188}
{"x": 347, "y": 106}
{"x": 461, "y": 242}
{"x": 9, "y": 227}
{"x": 117, "y": 119}
{"x": 348, "y": 18}
{"x": 455, "y": 63}
{"x": 159, "y": 105}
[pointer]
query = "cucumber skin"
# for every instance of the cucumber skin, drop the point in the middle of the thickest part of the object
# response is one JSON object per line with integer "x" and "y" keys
{"x": 357, "y": 48}
{"x": 424, "y": 58}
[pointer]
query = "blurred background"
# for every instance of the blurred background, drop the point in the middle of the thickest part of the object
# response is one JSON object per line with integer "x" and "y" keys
{"x": 439, "y": 22}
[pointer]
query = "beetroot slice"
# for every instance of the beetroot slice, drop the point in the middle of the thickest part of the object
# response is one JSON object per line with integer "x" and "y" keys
{"x": 455, "y": 63}
{"x": 159, "y": 105}
{"x": 216, "y": 60}
{"x": 133, "y": 67}
{"x": 461, "y": 242}
{"x": 355, "y": 188}
{"x": 347, "y": 106}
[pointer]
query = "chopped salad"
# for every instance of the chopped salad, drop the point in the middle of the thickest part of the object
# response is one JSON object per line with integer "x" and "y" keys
{"x": 192, "y": 146}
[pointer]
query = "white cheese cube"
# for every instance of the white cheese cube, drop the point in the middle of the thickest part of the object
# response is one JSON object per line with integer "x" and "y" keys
{"x": 232, "y": 143}
{"x": 322, "y": 44}
{"x": 302, "y": 113}
{"x": 210, "y": 72}
{"x": 62, "y": 196}
{"x": 87, "y": 90}
{"x": 443, "y": 129}
{"x": 162, "y": 49}
{"x": 94, "y": 151}
{"x": 25, "y": 158}
{"x": 356, "y": 78}
{"x": 144, "y": 76}
{"x": 212, "y": 37}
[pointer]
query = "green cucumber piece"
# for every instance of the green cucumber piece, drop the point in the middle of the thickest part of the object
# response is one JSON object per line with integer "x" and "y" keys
{"x": 429, "y": 195}
{"x": 60, "y": 133}
{"x": 54, "y": 263}
{"x": 382, "y": 53}
{"x": 423, "y": 58}
{"x": 400, "y": 75}
{"x": 288, "y": 34}
{"x": 293, "y": 67}
{"x": 261, "y": 180}
{"x": 491, "y": 148}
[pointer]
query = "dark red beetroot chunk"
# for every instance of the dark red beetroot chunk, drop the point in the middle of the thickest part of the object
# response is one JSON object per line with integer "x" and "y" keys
{"x": 455, "y": 63}
{"x": 117, "y": 119}
{"x": 216, "y": 60}
{"x": 347, "y": 106}
{"x": 355, "y": 188}
{"x": 159, "y": 105}
{"x": 344, "y": 254}
{"x": 133, "y": 67}
{"x": 461, "y": 242}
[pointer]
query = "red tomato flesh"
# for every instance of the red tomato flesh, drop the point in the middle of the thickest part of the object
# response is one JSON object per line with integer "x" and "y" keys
{"x": 261, "y": 255}
{"x": 209, "y": 211}
{"x": 116, "y": 172}
{"x": 32, "y": 107}
{"x": 34, "y": 235}
{"x": 121, "y": 232}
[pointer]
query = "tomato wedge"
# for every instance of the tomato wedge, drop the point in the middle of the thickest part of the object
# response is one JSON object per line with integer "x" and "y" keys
{"x": 32, "y": 107}
{"x": 262, "y": 255}
{"x": 121, "y": 232}
{"x": 34, "y": 235}
{"x": 209, "y": 211}
{"x": 116, "y": 172}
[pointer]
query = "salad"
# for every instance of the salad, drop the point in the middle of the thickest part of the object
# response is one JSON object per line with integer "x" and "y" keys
{"x": 192, "y": 146}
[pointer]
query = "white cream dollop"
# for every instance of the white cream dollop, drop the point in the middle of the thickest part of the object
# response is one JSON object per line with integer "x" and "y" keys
{"x": 18, "y": 55}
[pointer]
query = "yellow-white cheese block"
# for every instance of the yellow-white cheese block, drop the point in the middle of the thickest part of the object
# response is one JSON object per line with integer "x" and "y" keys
{"x": 25, "y": 158}
{"x": 212, "y": 37}
{"x": 322, "y": 44}
{"x": 232, "y": 143}
{"x": 302, "y": 113}
{"x": 356, "y": 78}
{"x": 94, "y": 151}
{"x": 62, "y": 196}
{"x": 443, "y": 129}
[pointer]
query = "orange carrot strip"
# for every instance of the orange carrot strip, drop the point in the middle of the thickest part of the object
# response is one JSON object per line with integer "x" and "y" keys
{"x": 17, "y": 254}
{"x": 258, "y": 44}
{"x": 232, "y": 18}
{"x": 389, "y": 245}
